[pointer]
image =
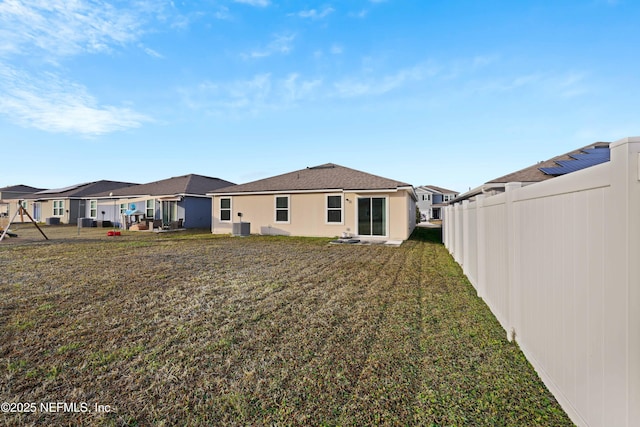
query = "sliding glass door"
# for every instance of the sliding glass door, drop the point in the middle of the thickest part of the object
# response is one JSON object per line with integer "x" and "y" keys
{"x": 169, "y": 211}
{"x": 372, "y": 216}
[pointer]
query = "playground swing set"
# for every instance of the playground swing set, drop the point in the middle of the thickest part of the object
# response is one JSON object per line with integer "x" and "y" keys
{"x": 4, "y": 231}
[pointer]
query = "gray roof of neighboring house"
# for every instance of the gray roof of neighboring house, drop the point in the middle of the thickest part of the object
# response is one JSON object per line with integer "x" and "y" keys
{"x": 23, "y": 189}
{"x": 575, "y": 160}
{"x": 187, "y": 184}
{"x": 328, "y": 176}
{"x": 534, "y": 173}
{"x": 435, "y": 189}
{"x": 79, "y": 190}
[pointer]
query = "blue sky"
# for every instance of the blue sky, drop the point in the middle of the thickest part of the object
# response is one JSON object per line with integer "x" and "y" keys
{"x": 444, "y": 92}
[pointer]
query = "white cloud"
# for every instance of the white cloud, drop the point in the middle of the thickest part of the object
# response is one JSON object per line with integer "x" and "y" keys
{"x": 481, "y": 61}
{"x": 50, "y": 103}
{"x": 258, "y": 3}
{"x": 296, "y": 90}
{"x": 281, "y": 43}
{"x": 259, "y": 93}
{"x": 567, "y": 85}
{"x": 314, "y": 14}
{"x": 373, "y": 86}
{"x": 266, "y": 92}
{"x": 336, "y": 49}
{"x": 63, "y": 28}
{"x": 151, "y": 52}
{"x": 223, "y": 13}
{"x": 361, "y": 14}
{"x": 47, "y": 32}
{"x": 181, "y": 22}
{"x": 570, "y": 85}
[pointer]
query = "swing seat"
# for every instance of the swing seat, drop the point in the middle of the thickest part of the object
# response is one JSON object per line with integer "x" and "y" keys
{"x": 9, "y": 233}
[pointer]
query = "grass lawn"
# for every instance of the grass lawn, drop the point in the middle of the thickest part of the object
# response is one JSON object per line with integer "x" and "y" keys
{"x": 196, "y": 329}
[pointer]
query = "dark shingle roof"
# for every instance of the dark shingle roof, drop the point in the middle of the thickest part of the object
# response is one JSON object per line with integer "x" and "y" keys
{"x": 323, "y": 177}
{"x": 534, "y": 173}
{"x": 438, "y": 189}
{"x": 24, "y": 189}
{"x": 80, "y": 190}
{"x": 187, "y": 184}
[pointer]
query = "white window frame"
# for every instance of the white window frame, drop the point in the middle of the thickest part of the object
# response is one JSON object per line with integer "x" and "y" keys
{"x": 58, "y": 208}
{"x": 387, "y": 212}
{"x": 93, "y": 209}
{"x": 327, "y": 209}
{"x": 123, "y": 208}
{"x": 151, "y": 202}
{"x": 230, "y": 209}
{"x": 276, "y": 209}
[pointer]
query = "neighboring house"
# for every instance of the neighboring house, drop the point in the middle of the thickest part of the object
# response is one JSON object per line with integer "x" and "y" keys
{"x": 66, "y": 205}
{"x": 179, "y": 200}
{"x": 572, "y": 161}
{"x": 11, "y": 196}
{"x": 324, "y": 201}
{"x": 17, "y": 191}
{"x": 432, "y": 199}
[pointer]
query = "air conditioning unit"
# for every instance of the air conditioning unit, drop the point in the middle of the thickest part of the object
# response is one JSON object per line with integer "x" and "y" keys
{"x": 85, "y": 222}
{"x": 241, "y": 228}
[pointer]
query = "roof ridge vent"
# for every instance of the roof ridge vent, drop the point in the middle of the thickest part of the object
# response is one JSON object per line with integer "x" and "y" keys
{"x": 325, "y": 166}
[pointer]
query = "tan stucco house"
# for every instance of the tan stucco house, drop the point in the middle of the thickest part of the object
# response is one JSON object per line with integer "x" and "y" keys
{"x": 10, "y": 197}
{"x": 322, "y": 201}
{"x": 66, "y": 205}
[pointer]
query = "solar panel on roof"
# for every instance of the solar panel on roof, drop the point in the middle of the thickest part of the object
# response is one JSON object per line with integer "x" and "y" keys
{"x": 597, "y": 150}
{"x": 62, "y": 190}
{"x": 587, "y": 158}
{"x": 581, "y": 156}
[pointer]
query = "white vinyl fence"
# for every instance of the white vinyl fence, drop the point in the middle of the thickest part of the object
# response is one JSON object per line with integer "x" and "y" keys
{"x": 558, "y": 263}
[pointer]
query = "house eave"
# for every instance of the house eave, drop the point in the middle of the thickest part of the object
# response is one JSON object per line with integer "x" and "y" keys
{"x": 321, "y": 190}
{"x": 482, "y": 189}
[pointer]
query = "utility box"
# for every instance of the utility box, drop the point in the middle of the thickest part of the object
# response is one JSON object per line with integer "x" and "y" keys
{"x": 241, "y": 228}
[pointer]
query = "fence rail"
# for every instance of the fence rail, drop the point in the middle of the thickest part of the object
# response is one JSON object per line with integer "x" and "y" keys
{"x": 558, "y": 263}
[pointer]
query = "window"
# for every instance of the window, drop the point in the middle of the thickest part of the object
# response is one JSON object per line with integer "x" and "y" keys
{"x": 334, "y": 209}
{"x": 93, "y": 208}
{"x": 123, "y": 208}
{"x": 282, "y": 209}
{"x": 58, "y": 207}
{"x": 225, "y": 209}
{"x": 151, "y": 208}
